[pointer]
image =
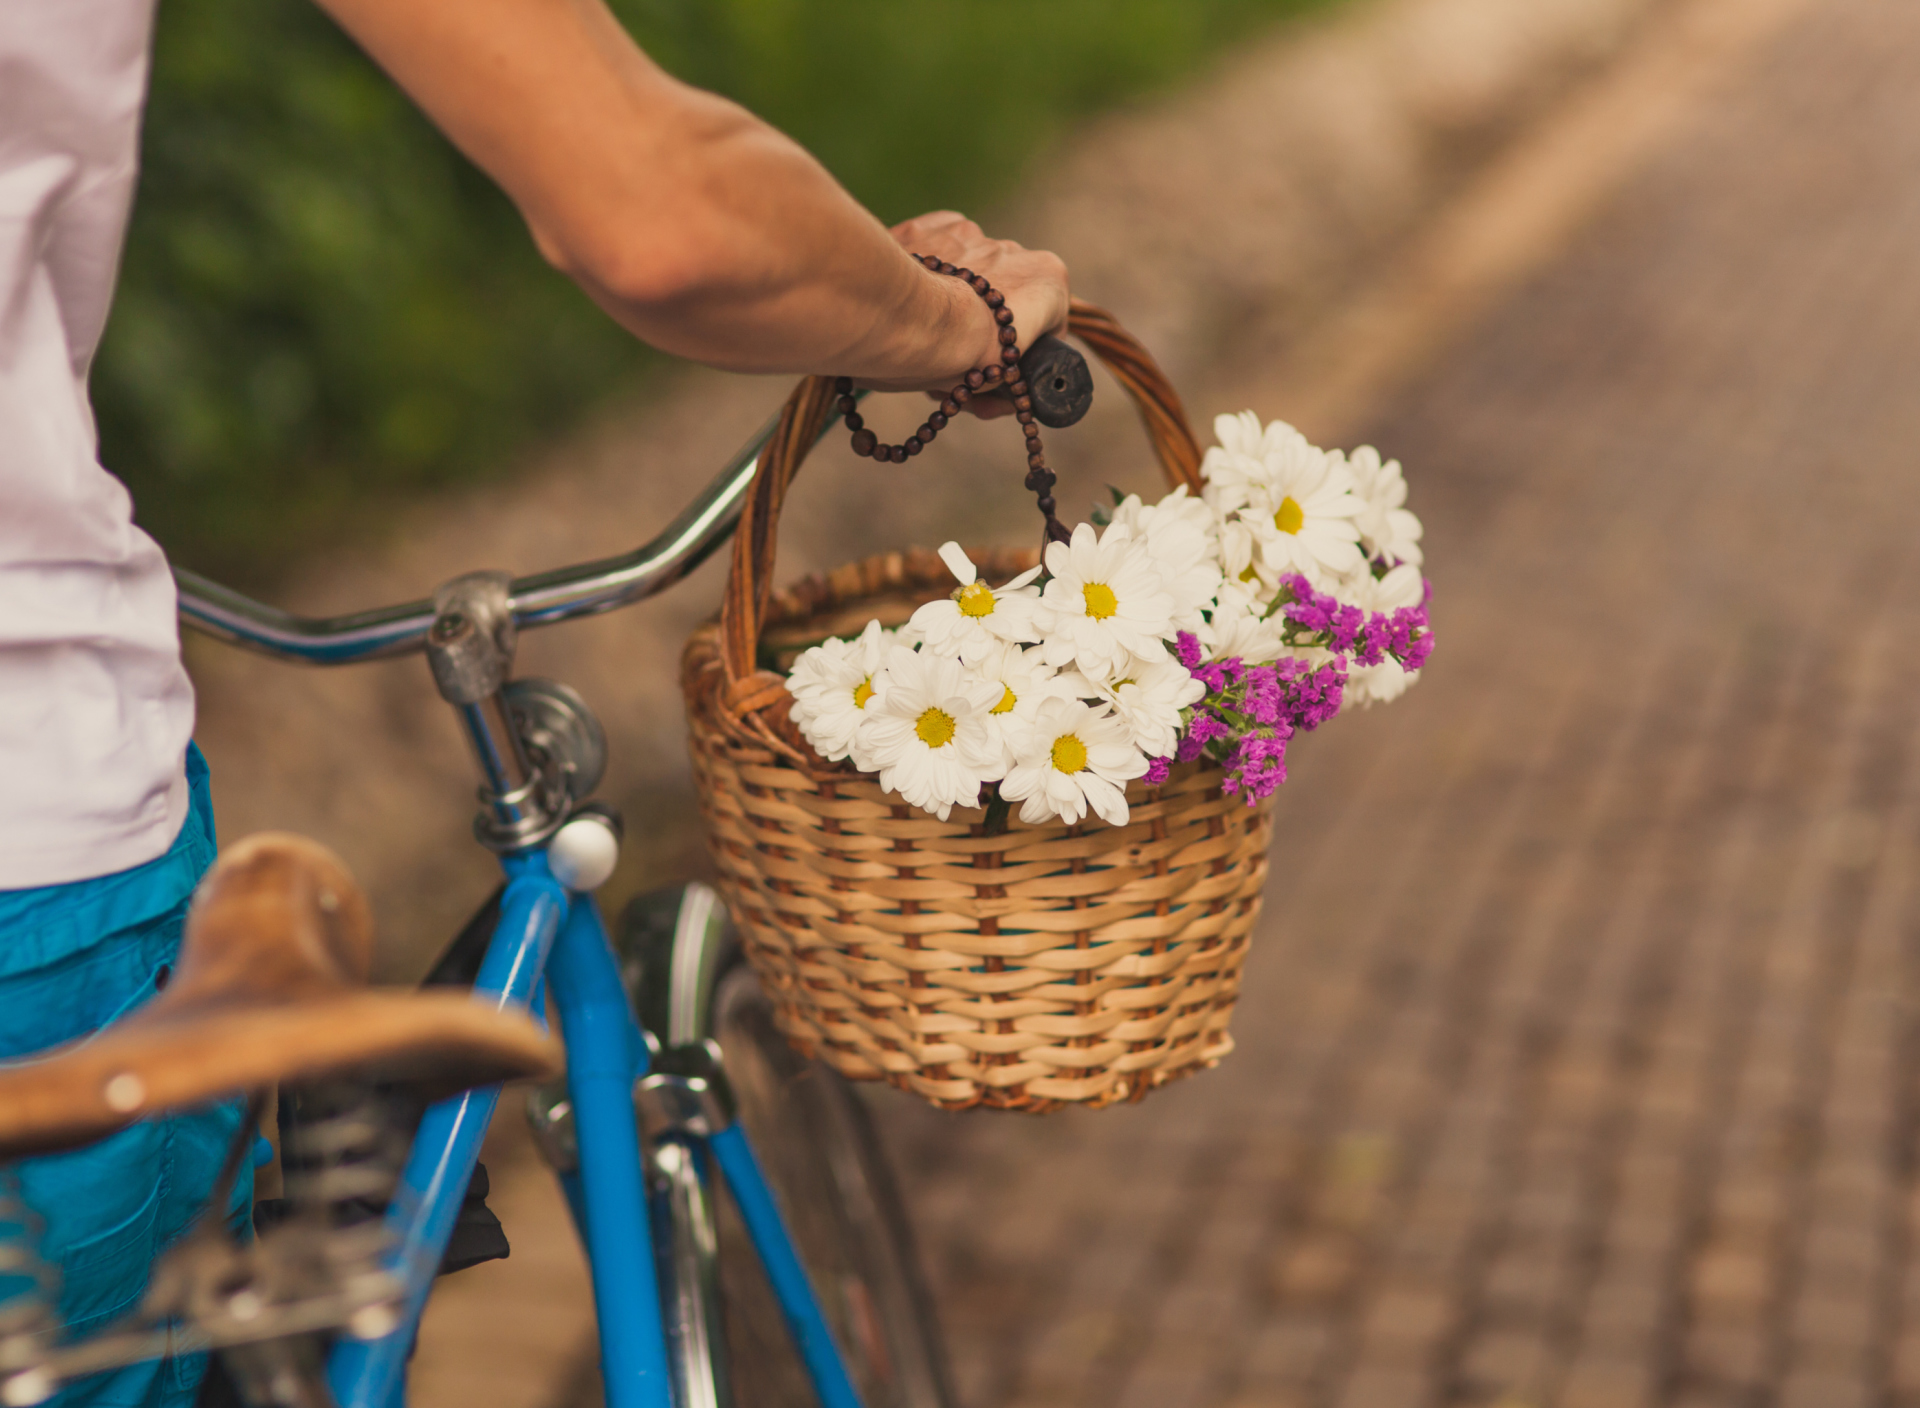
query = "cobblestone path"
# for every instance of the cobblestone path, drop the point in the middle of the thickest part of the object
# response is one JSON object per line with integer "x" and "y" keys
{"x": 1576, "y": 1059}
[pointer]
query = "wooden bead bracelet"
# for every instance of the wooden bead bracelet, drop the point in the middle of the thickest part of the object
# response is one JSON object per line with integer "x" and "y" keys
{"x": 1040, "y": 479}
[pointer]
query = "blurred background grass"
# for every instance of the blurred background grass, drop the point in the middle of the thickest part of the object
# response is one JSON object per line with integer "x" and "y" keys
{"x": 325, "y": 310}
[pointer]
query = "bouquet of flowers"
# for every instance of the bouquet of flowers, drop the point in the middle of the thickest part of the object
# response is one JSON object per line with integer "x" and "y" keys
{"x": 1219, "y": 626}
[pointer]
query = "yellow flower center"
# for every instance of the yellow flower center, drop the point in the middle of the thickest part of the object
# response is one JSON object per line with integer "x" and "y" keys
{"x": 1101, "y": 602}
{"x": 1247, "y": 574}
{"x": 976, "y": 599}
{"x": 934, "y": 728}
{"x": 1069, "y": 753}
{"x": 1289, "y": 517}
{"x": 1007, "y": 701}
{"x": 862, "y": 692}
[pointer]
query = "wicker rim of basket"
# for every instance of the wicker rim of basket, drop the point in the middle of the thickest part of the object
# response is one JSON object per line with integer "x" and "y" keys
{"x": 752, "y": 702}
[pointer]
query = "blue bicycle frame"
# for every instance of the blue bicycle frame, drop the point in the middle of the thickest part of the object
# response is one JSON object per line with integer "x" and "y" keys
{"x": 549, "y": 937}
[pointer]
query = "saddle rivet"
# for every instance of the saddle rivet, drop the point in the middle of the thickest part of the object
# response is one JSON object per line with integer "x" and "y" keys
{"x": 125, "y": 1093}
{"x": 328, "y": 901}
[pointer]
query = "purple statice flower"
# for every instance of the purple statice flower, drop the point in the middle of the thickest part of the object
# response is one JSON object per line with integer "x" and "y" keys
{"x": 1186, "y": 646}
{"x": 1311, "y": 696}
{"x": 1376, "y": 637}
{"x": 1205, "y": 728}
{"x": 1401, "y": 627}
{"x": 1315, "y": 618}
{"x": 1220, "y": 675}
{"x": 1263, "y": 702}
{"x": 1305, "y": 607}
{"x": 1157, "y": 770}
{"x": 1258, "y": 765}
{"x": 1348, "y": 621}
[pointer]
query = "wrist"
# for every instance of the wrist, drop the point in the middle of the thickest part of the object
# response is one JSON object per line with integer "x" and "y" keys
{"x": 943, "y": 332}
{"x": 973, "y": 337}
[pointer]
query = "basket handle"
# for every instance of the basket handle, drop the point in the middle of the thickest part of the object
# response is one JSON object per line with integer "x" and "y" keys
{"x": 743, "y": 608}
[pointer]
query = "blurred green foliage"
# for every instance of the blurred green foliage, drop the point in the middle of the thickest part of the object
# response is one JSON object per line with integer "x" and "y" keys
{"x": 324, "y": 308}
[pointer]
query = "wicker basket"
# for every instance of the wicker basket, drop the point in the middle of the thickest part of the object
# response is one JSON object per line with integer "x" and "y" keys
{"x": 1030, "y": 968}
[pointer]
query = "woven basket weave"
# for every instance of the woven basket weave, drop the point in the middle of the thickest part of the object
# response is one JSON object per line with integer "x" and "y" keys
{"x": 1034, "y": 968}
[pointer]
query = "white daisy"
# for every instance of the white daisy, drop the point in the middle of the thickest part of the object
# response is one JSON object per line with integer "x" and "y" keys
{"x": 926, "y": 734}
{"x": 1387, "y": 529}
{"x": 1182, "y": 535}
{"x": 1075, "y": 758}
{"x": 1247, "y": 457}
{"x": 1239, "y": 626}
{"x": 1240, "y": 557}
{"x": 1106, "y": 603}
{"x": 833, "y": 685}
{"x": 977, "y": 617}
{"x": 1025, "y": 679}
{"x": 1397, "y": 587}
{"x": 1149, "y": 699}
{"x": 1303, "y": 520}
{"x": 1368, "y": 685}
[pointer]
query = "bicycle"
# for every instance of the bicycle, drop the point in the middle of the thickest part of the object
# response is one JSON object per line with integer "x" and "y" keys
{"x": 674, "y": 1070}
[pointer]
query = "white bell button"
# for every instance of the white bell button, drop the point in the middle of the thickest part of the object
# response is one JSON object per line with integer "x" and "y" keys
{"x": 584, "y": 852}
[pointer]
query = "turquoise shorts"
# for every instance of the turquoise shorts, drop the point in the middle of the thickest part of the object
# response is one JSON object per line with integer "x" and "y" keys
{"x": 74, "y": 959}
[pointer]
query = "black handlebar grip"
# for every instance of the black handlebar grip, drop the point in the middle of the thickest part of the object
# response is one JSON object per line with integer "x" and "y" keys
{"x": 1058, "y": 382}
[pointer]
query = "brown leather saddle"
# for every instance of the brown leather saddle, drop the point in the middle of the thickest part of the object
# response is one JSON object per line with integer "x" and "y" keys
{"x": 271, "y": 987}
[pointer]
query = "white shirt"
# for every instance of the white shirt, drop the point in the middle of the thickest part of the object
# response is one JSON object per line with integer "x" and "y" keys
{"x": 95, "y": 707}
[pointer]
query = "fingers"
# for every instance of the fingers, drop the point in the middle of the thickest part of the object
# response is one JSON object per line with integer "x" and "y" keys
{"x": 947, "y": 234}
{"x": 1033, "y": 283}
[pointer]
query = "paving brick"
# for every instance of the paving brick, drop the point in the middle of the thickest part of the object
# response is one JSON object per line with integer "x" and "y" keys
{"x": 1385, "y": 1387}
{"x": 1626, "y": 1307}
{"x": 1842, "y": 1251}
{"x": 1154, "y": 1387}
{"x": 1904, "y": 1368}
{"x": 1258, "y": 1395}
{"x": 1729, "y": 1354}
{"x": 1506, "y": 1363}
{"x": 1607, "y": 1381}
{"x": 1532, "y": 1279}
{"x": 1288, "y": 1348}
{"x": 1818, "y": 1390}
{"x": 1404, "y": 1326}
{"x": 1549, "y": 1209}
{"x": 1317, "y": 1268}
{"x": 1731, "y": 1282}
{"x": 1836, "y": 1321}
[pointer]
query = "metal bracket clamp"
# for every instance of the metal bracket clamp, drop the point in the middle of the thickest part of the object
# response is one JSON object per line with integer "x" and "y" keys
{"x": 525, "y": 790}
{"x": 668, "y": 1102}
{"x": 470, "y": 645}
{"x": 685, "y": 1094}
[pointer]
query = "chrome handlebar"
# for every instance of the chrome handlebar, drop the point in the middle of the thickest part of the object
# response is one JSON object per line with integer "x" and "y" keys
{"x": 539, "y": 600}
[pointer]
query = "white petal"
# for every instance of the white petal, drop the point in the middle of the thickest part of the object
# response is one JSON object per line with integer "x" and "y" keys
{"x": 958, "y": 563}
{"x": 1106, "y": 799}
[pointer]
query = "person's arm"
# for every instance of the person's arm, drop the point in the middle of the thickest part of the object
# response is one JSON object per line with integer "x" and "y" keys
{"x": 701, "y": 229}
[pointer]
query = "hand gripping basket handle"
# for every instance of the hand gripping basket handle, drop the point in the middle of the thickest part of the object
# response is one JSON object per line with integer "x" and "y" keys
{"x": 803, "y": 418}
